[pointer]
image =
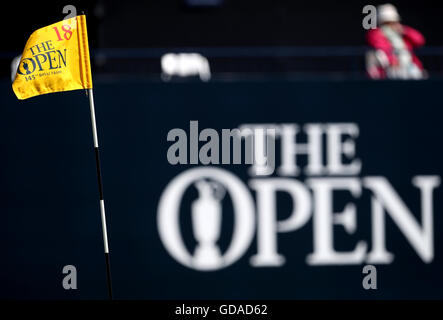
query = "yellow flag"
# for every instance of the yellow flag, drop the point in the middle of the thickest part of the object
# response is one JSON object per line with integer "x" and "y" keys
{"x": 56, "y": 58}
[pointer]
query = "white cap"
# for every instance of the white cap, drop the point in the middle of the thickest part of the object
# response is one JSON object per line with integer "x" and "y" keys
{"x": 387, "y": 13}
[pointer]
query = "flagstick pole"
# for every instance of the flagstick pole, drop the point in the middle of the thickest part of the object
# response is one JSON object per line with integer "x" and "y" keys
{"x": 100, "y": 189}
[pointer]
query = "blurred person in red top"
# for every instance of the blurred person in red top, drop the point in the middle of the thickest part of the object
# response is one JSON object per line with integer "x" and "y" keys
{"x": 393, "y": 57}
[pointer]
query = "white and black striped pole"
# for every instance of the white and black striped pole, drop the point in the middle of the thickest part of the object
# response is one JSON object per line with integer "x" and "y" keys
{"x": 100, "y": 190}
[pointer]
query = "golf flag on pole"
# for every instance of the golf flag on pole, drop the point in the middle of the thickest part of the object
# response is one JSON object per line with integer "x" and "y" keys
{"x": 55, "y": 58}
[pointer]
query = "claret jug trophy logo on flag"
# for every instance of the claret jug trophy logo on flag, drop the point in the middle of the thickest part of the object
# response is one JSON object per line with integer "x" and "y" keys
{"x": 56, "y": 58}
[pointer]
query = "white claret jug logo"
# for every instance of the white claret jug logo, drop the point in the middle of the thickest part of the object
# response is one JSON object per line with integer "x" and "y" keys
{"x": 206, "y": 221}
{"x": 207, "y": 215}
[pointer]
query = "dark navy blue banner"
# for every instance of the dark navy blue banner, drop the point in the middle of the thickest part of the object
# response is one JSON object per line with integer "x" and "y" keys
{"x": 350, "y": 207}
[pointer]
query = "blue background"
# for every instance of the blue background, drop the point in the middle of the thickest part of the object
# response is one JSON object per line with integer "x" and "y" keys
{"x": 49, "y": 214}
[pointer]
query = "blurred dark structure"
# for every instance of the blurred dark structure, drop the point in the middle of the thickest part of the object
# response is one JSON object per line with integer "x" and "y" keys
{"x": 49, "y": 212}
{"x": 250, "y": 38}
